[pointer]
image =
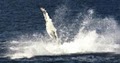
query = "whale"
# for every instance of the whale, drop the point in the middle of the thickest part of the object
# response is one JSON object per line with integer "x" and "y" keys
{"x": 50, "y": 28}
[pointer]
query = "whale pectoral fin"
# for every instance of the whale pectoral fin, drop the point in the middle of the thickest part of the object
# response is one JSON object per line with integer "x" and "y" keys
{"x": 53, "y": 34}
{"x": 56, "y": 35}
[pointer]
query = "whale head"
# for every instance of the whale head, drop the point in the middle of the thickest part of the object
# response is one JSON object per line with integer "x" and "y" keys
{"x": 43, "y": 10}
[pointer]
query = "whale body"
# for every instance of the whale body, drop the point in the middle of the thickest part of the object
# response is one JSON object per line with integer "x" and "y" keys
{"x": 50, "y": 28}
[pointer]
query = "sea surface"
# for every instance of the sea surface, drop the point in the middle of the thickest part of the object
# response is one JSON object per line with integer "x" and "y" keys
{"x": 88, "y": 31}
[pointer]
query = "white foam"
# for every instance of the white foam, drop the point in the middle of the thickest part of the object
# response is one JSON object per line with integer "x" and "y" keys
{"x": 95, "y": 35}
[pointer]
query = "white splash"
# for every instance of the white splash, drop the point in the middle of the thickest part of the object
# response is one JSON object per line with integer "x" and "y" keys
{"x": 94, "y": 35}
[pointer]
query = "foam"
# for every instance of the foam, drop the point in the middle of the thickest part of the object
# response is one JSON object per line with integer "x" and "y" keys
{"x": 94, "y": 35}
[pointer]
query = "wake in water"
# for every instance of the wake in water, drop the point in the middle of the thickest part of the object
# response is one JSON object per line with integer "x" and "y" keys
{"x": 90, "y": 35}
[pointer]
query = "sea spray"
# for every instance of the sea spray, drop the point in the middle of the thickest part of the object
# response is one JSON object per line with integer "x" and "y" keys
{"x": 93, "y": 35}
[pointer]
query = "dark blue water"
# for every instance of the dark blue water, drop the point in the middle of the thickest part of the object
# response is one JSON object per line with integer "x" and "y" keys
{"x": 20, "y": 17}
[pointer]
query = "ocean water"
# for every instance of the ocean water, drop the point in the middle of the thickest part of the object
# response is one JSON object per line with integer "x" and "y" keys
{"x": 88, "y": 31}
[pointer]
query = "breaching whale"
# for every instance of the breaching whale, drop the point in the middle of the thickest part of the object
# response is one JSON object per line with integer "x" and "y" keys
{"x": 50, "y": 28}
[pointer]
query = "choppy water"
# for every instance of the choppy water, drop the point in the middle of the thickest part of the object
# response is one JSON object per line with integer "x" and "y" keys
{"x": 88, "y": 30}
